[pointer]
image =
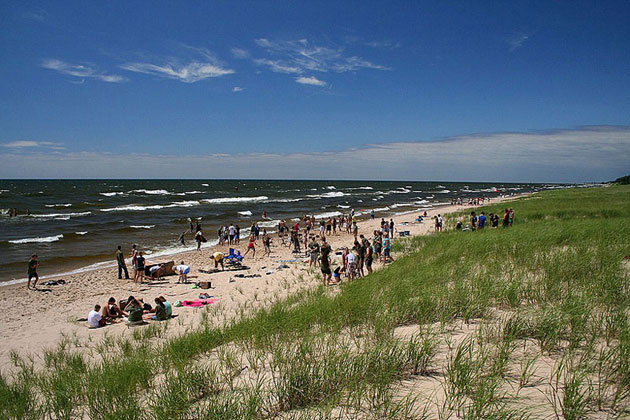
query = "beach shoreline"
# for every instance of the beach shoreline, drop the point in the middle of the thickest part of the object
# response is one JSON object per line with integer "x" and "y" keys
{"x": 39, "y": 319}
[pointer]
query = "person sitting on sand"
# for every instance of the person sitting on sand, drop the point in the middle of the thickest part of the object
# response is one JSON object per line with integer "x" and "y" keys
{"x": 183, "y": 270}
{"x": 134, "y": 309}
{"x": 160, "y": 310}
{"x": 218, "y": 258}
{"x": 112, "y": 310}
{"x": 95, "y": 320}
{"x": 167, "y": 305}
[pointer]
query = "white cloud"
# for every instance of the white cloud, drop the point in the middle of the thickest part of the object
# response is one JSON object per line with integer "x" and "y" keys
{"x": 30, "y": 143}
{"x": 313, "y": 81}
{"x": 237, "y": 89}
{"x": 517, "y": 41}
{"x": 300, "y": 56}
{"x": 240, "y": 53}
{"x": 597, "y": 153}
{"x": 82, "y": 71}
{"x": 188, "y": 73}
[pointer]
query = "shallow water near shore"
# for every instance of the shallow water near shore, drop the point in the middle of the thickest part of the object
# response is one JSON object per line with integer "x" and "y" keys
{"x": 77, "y": 224}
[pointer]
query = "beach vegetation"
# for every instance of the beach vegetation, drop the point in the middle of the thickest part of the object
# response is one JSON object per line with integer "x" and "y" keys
{"x": 499, "y": 323}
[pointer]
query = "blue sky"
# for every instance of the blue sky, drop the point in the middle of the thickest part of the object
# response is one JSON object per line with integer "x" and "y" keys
{"x": 134, "y": 82}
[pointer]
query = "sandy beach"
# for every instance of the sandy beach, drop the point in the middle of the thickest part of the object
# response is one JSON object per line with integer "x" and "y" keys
{"x": 36, "y": 320}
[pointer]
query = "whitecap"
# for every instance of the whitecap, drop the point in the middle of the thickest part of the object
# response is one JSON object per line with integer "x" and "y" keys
{"x": 57, "y": 215}
{"x": 441, "y": 186}
{"x": 44, "y": 239}
{"x": 111, "y": 194}
{"x": 331, "y": 187}
{"x": 142, "y": 226}
{"x": 245, "y": 213}
{"x": 205, "y": 185}
{"x": 327, "y": 215}
{"x": 58, "y": 205}
{"x": 151, "y": 192}
{"x": 228, "y": 200}
{"x": 80, "y": 233}
{"x": 138, "y": 207}
{"x": 343, "y": 207}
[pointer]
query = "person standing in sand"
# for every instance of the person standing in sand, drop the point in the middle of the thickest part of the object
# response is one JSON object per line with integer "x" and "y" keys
{"x": 134, "y": 261}
{"x": 32, "y": 271}
{"x": 199, "y": 239}
{"x": 183, "y": 270}
{"x": 266, "y": 243}
{"x": 251, "y": 246}
{"x": 325, "y": 251}
{"x": 139, "y": 268}
{"x": 120, "y": 259}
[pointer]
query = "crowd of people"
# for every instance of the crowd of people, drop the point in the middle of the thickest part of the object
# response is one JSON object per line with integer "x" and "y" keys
{"x": 132, "y": 309}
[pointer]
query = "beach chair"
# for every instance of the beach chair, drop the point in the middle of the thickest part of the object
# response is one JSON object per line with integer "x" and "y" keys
{"x": 231, "y": 255}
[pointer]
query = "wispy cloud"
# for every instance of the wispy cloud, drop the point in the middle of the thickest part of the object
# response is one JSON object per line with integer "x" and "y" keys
{"x": 237, "y": 89}
{"x": 383, "y": 44}
{"x": 301, "y": 56}
{"x": 313, "y": 81}
{"x": 81, "y": 71}
{"x": 516, "y": 41}
{"x": 574, "y": 155}
{"x": 240, "y": 53}
{"x": 187, "y": 73}
{"x": 19, "y": 144}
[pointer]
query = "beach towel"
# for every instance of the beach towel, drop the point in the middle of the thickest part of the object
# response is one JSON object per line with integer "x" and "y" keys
{"x": 198, "y": 303}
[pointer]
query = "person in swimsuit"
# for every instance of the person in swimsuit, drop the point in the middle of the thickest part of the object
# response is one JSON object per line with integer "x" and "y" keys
{"x": 183, "y": 270}
{"x": 251, "y": 246}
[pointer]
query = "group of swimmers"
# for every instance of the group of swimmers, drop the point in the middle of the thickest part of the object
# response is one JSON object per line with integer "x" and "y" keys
{"x": 131, "y": 308}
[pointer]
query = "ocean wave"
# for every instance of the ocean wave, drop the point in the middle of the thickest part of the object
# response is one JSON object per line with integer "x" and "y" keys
{"x": 139, "y": 207}
{"x": 80, "y": 233}
{"x": 284, "y": 200}
{"x": 326, "y": 215}
{"x": 111, "y": 194}
{"x": 151, "y": 192}
{"x": 430, "y": 196}
{"x": 360, "y": 188}
{"x": 268, "y": 223}
{"x": 205, "y": 185}
{"x": 58, "y": 215}
{"x": 444, "y": 192}
{"x": 245, "y": 213}
{"x": 44, "y": 239}
{"x": 441, "y": 186}
{"x": 343, "y": 207}
{"x": 142, "y": 226}
{"x": 421, "y": 202}
{"x": 58, "y": 205}
{"x": 331, "y": 187}
{"x": 62, "y": 218}
{"x": 331, "y": 194}
{"x": 3, "y": 191}
{"x": 228, "y": 200}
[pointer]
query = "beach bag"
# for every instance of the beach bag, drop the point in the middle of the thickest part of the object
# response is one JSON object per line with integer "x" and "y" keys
{"x": 205, "y": 284}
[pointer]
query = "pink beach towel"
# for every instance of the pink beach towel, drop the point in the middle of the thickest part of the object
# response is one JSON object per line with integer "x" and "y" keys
{"x": 198, "y": 303}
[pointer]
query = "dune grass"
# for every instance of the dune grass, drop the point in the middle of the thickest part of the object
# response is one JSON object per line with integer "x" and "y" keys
{"x": 556, "y": 279}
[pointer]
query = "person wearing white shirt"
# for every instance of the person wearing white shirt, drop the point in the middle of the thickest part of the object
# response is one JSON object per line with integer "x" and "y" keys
{"x": 95, "y": 320}
{"x": 183, "y": 270}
